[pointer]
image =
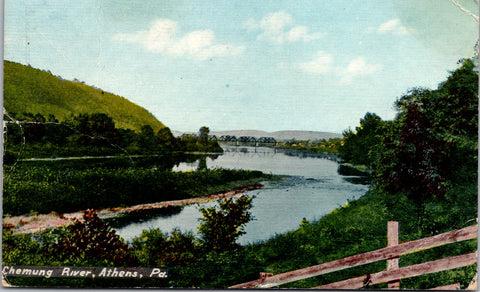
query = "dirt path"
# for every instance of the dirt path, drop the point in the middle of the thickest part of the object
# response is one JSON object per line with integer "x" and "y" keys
{"x": 28, "y": 224}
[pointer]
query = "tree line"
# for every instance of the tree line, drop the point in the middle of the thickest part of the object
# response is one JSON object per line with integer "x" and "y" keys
{"x": 35, "y": 135}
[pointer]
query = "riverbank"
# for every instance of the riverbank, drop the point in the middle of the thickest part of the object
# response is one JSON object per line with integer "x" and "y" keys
{"x": 361, "y": 226}
{"x": 45, "y": 187}
{"x": 35, "y": 223}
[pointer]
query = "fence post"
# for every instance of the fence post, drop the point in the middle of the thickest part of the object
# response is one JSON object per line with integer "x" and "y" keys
{"x": 392, "y": 264}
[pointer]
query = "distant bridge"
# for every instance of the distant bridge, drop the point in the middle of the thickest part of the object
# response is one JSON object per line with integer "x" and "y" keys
{"x": 246, "y": 140}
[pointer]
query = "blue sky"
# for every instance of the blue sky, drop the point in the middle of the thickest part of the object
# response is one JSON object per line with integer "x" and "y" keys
{"x": 268, "y": 65}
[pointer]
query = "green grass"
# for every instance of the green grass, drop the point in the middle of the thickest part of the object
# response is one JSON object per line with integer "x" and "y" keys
{"x": 361, "y": 226}
{"x": 35, "y": 91}
{"x": 47, "y": 188}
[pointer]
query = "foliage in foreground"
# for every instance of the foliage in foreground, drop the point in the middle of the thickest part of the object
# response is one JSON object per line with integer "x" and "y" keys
{"x": 221, "y": 228}
{"x": 361, "y": 226}
{"x": 92, "y": 243}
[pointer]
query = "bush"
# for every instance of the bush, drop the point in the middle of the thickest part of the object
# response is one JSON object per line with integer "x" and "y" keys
{"x": 221, "y": 228}
{"x": 154, "y": 249}
{"x": 91, "y": 242}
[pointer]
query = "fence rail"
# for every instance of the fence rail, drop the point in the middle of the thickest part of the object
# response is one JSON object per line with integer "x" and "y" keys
{"x": 405, "y": 272}
{"x": 391, "y": 252}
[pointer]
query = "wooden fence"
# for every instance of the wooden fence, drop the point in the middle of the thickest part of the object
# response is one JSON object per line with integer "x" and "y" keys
{"x": 391, "y": 253}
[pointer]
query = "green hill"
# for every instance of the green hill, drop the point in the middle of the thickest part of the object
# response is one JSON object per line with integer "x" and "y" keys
{"x": 31, "y": 90}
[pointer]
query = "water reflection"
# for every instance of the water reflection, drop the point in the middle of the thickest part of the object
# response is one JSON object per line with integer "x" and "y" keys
{"x": 202, "y": 163}
{"x": 143, "y": 215}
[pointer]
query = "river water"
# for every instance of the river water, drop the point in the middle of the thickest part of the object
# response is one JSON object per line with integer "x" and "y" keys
{"x": 312, "y": 189}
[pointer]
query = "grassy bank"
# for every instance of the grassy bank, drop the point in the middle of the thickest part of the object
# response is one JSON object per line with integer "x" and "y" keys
{"x": 361, "y": 226}
{"x": 42, "y": 189}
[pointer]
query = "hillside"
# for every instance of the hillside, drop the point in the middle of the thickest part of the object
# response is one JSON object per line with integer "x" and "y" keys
{"x": 31, "y": 90}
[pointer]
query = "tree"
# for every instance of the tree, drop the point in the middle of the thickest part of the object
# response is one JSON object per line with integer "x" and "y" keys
{"x": 166, "y": 138}
{"x": 221, "y": 228}
{"x": 421, "y": 169}
{"x": 147, "y": 131}
{"x": 358, "y": 146}
{"x": 203, "y": 135}
{"x": 96, "y": 124}
{"x": 434, "y": 141}
{"x": 446, "y": 120}
{"x": 457, "y": 101}
{"x": 452, "y": 109}
{"x": 146, "y": 138}
{"x": 52, "y": 118}
{"x": 98, "y": 129}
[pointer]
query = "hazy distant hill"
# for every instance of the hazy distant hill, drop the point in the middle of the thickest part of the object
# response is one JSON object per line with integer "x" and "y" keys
{"x": 31, "y": 90}
{"x": 304, "y": 135}
{"x": 279, "y": 135}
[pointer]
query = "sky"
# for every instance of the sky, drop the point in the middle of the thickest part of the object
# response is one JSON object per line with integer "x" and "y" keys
{"x": 269, "y": 65}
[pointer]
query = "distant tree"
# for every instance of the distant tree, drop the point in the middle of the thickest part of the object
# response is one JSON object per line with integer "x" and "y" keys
{"x": 146, "y": 138}
{"x": 102, "y": 124}
{"x": 35, "y": 132}
{"x": 166, "y": 138}
{"x": 165, "y": 134}
{"x": 39, "y": 118}
{"x": 147, "y": 131}
{"x": 52, "y": 119}
{"x": 203, "y": 135}
{"x": 98, "y": 129}
{"x": 27, "y": 116}
{"x": 128, "y": 137}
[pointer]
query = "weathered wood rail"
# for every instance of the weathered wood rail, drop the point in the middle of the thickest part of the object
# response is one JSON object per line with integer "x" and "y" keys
{"x": 391, "y": 253}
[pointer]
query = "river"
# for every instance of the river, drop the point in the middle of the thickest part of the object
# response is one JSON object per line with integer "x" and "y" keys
{"x": 312, "y": 189}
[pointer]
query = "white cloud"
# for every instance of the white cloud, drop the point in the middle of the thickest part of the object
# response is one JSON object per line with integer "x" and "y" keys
{"x": 162, "y": 38}
{"x": 394, "y": 26}
{"x": 278, "y": 27}
{"x": 357, "y": 67}
{"x": 323, "y": 64}
{"x": 300, "y": 33}
{"x": 274, "y": 23}
{"x": 192, "y": 43}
